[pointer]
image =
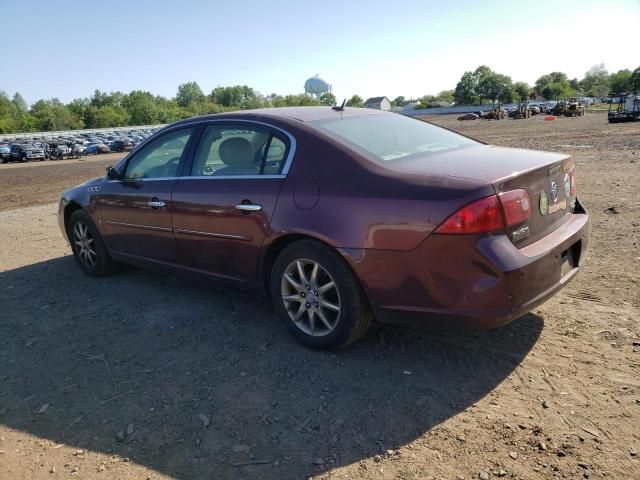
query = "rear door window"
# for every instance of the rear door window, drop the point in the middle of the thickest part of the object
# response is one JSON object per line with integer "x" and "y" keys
{"x": 236, "y": 150}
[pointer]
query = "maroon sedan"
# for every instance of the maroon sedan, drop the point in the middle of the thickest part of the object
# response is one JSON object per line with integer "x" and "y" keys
{"x": 340, "y": 216}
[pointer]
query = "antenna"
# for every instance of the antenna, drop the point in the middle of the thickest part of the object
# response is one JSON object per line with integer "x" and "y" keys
{"x": 339, "y": 108}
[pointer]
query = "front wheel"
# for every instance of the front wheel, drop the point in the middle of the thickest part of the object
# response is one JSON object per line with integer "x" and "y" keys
{"x": 88, "y": 247}
{"x": 318, "y": 297}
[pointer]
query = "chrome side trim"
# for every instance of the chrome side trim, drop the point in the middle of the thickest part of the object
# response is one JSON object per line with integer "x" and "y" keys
{"x": 215, "y": 235}
{"x": 133, "y": 225}
{"x": 287, "y": 163}
{"x": 203, "y": 177}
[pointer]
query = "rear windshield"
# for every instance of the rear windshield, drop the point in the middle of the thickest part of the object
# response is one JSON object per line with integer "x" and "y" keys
{"x": 389, "y": 137}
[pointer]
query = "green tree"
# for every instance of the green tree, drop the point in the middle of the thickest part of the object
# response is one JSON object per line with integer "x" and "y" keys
{"x": 19, "y": 103}
{"x": 634, "y": 81}
{"x": 521, "y": 91}
{"x": 485, "y": 83}
{"x": 465, "y": 92}
{"x": 189, "y": 94}
{"x": 355, "y": 101}
{"x": 328, "y": 98}
{"x": 620, "y": 82}
{"x": 499, "y": 88}
{"x": 300, "y": 100}
{"x": 53, "y": 115}
{"x": 553, "y": 86}
{"x": 445, "y": 96}
{"x": 238, "y": 96}
{"x": 398, "y": 101}
{"x": 275, "y": 100}
{"x": 141, "y": 108}
{"x": 596, "y": 81}
{"x": 575, "y": 84}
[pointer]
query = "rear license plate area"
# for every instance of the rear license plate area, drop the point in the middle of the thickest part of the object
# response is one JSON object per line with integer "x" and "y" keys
{"x": 570, "y": 258}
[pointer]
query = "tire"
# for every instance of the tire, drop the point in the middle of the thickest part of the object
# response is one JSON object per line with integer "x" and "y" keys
{"x": 319, "y": 327}
{"x": 24, "y": 159}
{"x": 102, "y": 263}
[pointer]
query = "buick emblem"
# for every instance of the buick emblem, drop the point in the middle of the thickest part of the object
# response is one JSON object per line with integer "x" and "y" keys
{"x": 554, "y": 192}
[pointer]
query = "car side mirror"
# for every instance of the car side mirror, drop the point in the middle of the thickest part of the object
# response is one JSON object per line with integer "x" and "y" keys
{"x": 112, "y": 173}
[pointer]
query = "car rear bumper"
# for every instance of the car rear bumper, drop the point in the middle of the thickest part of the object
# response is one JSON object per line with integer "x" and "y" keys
{"x": 483, "y": 281}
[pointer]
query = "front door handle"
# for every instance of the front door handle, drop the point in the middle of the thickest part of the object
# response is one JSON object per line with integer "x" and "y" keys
{"x": 155, "y": 203}
{"x": 249, "y": 207}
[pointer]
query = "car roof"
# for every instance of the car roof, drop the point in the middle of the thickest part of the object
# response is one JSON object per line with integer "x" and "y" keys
{"x": 302, "y": 114}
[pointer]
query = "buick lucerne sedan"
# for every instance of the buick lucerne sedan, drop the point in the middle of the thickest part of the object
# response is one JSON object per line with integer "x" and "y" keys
{"x": 340, "y": 216}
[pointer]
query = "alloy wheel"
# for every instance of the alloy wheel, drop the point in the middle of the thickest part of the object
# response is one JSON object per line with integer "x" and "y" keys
{"x": 85, "y": 244}
{"x": 311, "y": 297}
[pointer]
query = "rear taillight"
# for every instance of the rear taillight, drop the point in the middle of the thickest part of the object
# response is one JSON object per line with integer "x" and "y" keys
{"x": 484, "y": 215}
{"x": 489, "y": 214}
{"x": 516, "y": 205}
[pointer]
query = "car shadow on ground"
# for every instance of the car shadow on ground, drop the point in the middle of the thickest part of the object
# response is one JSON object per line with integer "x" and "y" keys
{"x": 212, "y": 382}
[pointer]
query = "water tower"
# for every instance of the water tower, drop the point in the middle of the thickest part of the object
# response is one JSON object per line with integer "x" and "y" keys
{"x": 315, "y": 86}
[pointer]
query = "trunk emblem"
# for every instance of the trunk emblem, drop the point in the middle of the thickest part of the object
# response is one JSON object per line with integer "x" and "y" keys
{"x": 544, "y": 203}
{"x": 554, "y": 191}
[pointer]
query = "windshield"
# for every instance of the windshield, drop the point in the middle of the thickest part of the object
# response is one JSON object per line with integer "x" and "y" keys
{"x": 392, "y": 136}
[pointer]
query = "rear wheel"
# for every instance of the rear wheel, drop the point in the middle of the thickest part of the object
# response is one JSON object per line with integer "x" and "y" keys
{"x": 88, "y": 247}
{"x": 318, "y": 297}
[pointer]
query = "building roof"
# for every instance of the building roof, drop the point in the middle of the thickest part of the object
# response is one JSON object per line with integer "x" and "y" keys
{"x": 375, "y": 100}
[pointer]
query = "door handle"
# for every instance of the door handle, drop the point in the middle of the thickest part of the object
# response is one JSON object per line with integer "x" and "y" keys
{"x": 155, "y": 203}
{"x": 249, "y": 207}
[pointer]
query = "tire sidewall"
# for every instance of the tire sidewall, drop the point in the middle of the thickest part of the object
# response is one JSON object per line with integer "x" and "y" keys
{"x": 102, "y": 256}
{"x": 350, "y": 299}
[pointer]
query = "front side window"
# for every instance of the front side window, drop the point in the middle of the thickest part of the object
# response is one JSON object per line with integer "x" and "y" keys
{"x": 160, "y": 158}
{"x": 239, "y": 150}
{"x": 389, "y": 137}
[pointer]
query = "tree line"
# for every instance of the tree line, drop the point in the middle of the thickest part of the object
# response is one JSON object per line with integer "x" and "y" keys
{"x": 483, "y": 84}
{"x": 118, "y": 109}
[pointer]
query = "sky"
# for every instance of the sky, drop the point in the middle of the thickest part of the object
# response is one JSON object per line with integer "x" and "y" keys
{"x": 67, "y": 49}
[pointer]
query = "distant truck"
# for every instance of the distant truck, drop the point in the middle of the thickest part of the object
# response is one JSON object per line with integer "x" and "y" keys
{"x": 624, "y": 108}
{"x": 574, "y": 108}
{"x": 26, "y": 152}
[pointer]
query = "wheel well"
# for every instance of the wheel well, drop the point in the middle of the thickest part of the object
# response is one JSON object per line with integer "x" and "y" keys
{"x": 283, "y": 242}
{"x": 68, "y": 211}
{"x": 273, "y": 250}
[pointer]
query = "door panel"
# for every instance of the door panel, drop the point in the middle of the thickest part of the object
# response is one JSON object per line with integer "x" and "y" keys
{"x": 132, "y": 225}
{"x": 136, "y": 209}
{"x": 213, "y": 235}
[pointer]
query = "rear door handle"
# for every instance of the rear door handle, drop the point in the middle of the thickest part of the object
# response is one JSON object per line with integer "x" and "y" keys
{"x": 249, "y": 207}
{"x": 155, "y": 203}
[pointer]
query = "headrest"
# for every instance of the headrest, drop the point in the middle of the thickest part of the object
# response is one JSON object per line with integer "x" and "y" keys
{"x": 236, "y": 152}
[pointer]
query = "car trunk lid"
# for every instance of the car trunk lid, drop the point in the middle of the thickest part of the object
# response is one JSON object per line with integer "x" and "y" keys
{"x": 544, "y": 176}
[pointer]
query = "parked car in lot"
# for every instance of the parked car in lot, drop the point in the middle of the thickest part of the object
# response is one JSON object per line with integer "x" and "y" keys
{"x": 5, "y": 153}
{"x": 78, "y": 150}
{"x": 96, "y": 148}
{"x": 60, "y": 151}
{"x": 120, "y": 145}
{"x": 26, "y": 152}
{"x": 339, "y": 217}
{"x": 469, "y": 116}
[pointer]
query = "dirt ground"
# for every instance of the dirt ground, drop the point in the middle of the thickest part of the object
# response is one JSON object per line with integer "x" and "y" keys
{"x": 38, "y": 183}
{"x": 139, "y": 376}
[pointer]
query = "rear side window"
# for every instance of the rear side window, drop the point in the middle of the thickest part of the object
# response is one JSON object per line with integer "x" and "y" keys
{"x": 239, "y": 150}
{"x": 389, "y": 137}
